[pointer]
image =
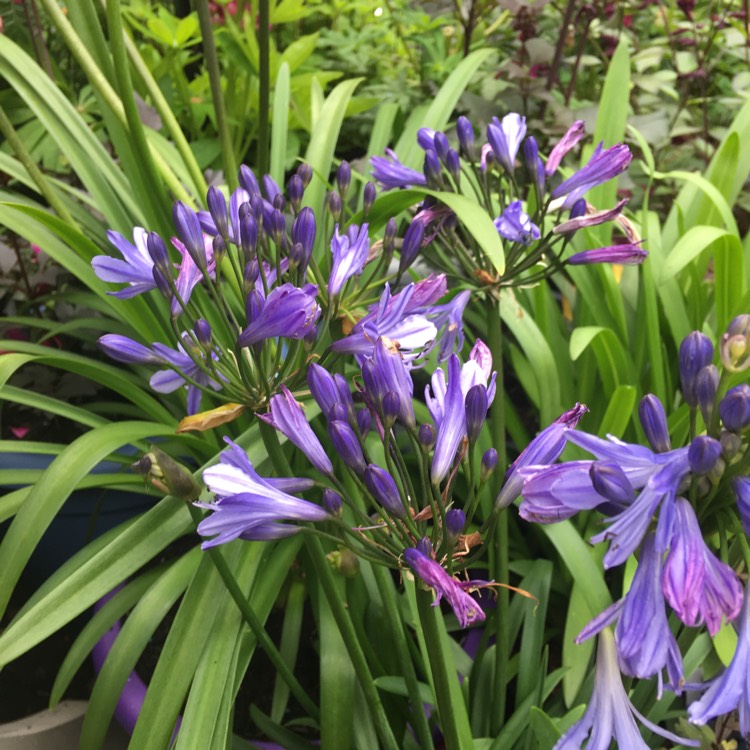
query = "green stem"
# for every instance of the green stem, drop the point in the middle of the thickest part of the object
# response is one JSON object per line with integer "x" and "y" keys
{"x": 214, "y": 77}
{"x": 264, "y": 85}
{"x": 256, "y": 626}
{"x": 448, "y": 711}
{"x": 16, "y": 143}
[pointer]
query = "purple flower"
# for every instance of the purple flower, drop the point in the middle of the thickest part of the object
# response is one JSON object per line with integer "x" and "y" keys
{"x": 592, "y": 219}
{"x": 349, "y": 256}
{"x": 545, "y": 448}
{"x": 249, "y": 506}
{"x": 515, "y": 225}
{"x": 466, "y": 609}
{"x": 575, "y": 132}
{"x": 625, "y": 255}
{"x": 136, "y": 269}
{"x": 610, "y": 714}
{"x": 505, "y": 138}
{"x": 734, "y": 408}
{"x": 654, "y": 421}
{"x": 603, "y": 165}
{"x": 129, "y": 352}
{"x": 384, "y": 373}
{"x": 447, "y": 403}
{"x": 287, "y": 416}
{"x": 731, "y": 690}
{"x": 328, "y": 390}
{"x": 288, "y": 312}
{"x": 448, "y": 319}
{"x": 391, "y": 173}
{"x": 645, "y": 643}
{"x": 384, "y": 489}
{"x": 699, "y": 587}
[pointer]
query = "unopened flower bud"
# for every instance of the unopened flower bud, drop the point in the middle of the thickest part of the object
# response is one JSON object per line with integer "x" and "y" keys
{"x": 489, "y": 463}
{"x": 426, "y": 138}
{"x": 258, "y": 207}
{"x": 383, "y": 488}
{"x": 453, "y": 165}
{"x": 305, "y": 171}
{"x": 696, "y": 352}
{"x": 162, "y": 284}
{"x": 159, "y": 254}
{"x": 167, "y": 475}
{"x": 190, "y": 233}
{"x": 248, "y": 236}
{"x": 346, "y": 444}
{"x": 455, "y": 522}
{"x": 441, "y": 146}
{"x": 465, "y": 133}
{"x": 427, "y": 437}
{"x": 279, "y": 203}
{"x": 411, "y": 245}
{"x": 534, "y": 166}
{"x": 432, "y": 170}
{"x": 251, "y": 275}
{"x": 337, "y": 413}
{"x": 304, "y": 231}
{"x": 389, "y": 239}
{"x": 731, "y": 444}
{"x": 270, "y": 188}
{"x": 220, "y": 249}
{"x": 734, "y": 408}
{"x": 703, "y": 453}
{"x": 332, "y": 501}
{"x": 295, "y": 189}
{"x": 424, "y": 545}
{"x": 254, "y": 305}
{"x": 343, "y": 178}
{"x": 248, "y": 181}
{"x": 277, "y": 225}
{"x": 476, "y": 411}
{"x": 610, "y": 482}
{"x": 364, "y": 422}
{"x": 368, "y": 197}
{"x": 654, "y": 422}
{"x": 741, "y": 489}
{"x": 391, "y": 406}
{"x": 578, "y": 209}
{"x": 202, "y": 331}
{"x": 706, "y": 384}
{"x": 217, "y": 207}
{"x": 334, "y": 205}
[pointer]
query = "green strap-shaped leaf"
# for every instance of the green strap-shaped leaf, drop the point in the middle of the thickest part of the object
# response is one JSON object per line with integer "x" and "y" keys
{"x": 280, "y": 124}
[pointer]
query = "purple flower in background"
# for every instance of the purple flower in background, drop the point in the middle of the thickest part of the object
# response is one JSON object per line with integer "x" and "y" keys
{"x": 731, "y": 690}
{"x": 349, "y": 256}
{"x": 287, "y": 416}
{"x": 603, "y": 165}
{"x": 391, "y": 173}
{"x": 505, "y": 138}
{"x": 545, "y": 448}
{"x": 699, "y": 587}
{"x": 625, "y": 255}
{"x": 515, "y": 225}
{"x": 287, "y": 312}
{"x": 249, "y": 506}
{"x": 610, "y": 715}
{"x": 466, "y": 609}
{"x": 135, "y": 269}
{"x": 645, "y": 643}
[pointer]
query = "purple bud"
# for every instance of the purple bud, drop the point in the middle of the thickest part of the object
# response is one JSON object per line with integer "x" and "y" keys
{"x": 277, "y": 226}
{"x": 364, "y": 422}
{"x": 343, "y": 178}
{"x": 270, "y": 188}
{"x": 706, "y": 385}
{"x": 576, "y": 131}
{"x": 248, "y": 180}
{"x": 696, "y": 351}
{"x": 505, "y": 137}
{"x": 368, "y": 197}
{"x": 254, "y": 305}
{"x": 534, "y": 166}
{"x": 158, "y": 252}
{"x": 654, "y": 422}
{"x": 257, "y": 206}
{"x": 162, "y": 284}
{"x": 455, "y": 522}
{"x": 383, "y": 488}
{"x": 424, "y": 545}
{"x": 426, "y": 138}
{"x": 411, "y": 245}
{"x": 304, "y": 230}
{"x": 202, "y": 331}
{"x": 346, "y": 444}
{"x": 489, "y": 462}
{"x": 337, "y": 413}
{"x": 305, "y": 171}
{"x": 624, "y": 255}
{"x": 476, "y": 411}
{"x": 734, "y": 408}
{"x": 427, "y": 437}
{"x": 334, "y": 205}
{"x": 297, "y": 256}
{"x": 391, "y": 406}
{"x": 389, "y": 237}
{"x": 465, "y": 133}
{"x": 741, "y": 488}
{"x": 332, "y": 501}
{"x": 432, "y": 170}
{"x": 441, "y": 146}
{"x": 703, "y": 453}
{"x": 248, "y": 234}
{"x": 251, "y": 274}
{"x": 220, "y": 249}
{"x": 610, "y": 482}
{"x": 323, "y": 388}
{"x": 734, "y": 348}
{"x": 453, "y": 165}
{"x": 578, "y": 209}
{"x": 279, "y": 202}
{"x": 217, "y": 206}
{"x": 295, "y": 189}
{"x": 189, "y": 231}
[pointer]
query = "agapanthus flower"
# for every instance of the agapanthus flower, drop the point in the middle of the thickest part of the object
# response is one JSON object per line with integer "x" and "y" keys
{"x": 136, "y": 268}
{"x": 466, "y": 609}
{"x": 385, "y": 372}
{"x": 249, "y": 506}
{"x": 391, "y": 173}
{"x": 573, "y": 135}
{"x": 349, "y": 256}
{"x": 286, "y": 415}
{"x": 516, "y": 226}
{"x": 730, "y": 691}
{"x": 590, "y": 218}
{"x": 505, "y": 138}
{"x": 625, "y": 255}
{"x": 603, "y": 165}
{"x": 287, "y": 312}
{"x": 610, "y": 715}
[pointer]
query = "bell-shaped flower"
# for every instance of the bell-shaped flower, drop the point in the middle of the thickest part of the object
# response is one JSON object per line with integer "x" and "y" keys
{"x": 391, "y": 173}
{"x": 574, "y": 134}
{"x": 288, "y": 312}
{"x": 505, "y": 138}
{"x": 610, "y": 715}
{"x": 466, "y": 609}
{"x": 136, "y": 268}
{"x": 698, "y": 586}
{"x": 249, "y": 506}
{"x": 516, "y": 226}
{"x": 286, "y": 415}
{"x": 349, "y": 256}
{"x": 731, "y": 690}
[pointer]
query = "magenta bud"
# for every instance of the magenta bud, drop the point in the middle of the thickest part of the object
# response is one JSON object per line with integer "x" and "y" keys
{"x": 654, "y": 422}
